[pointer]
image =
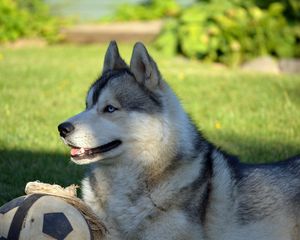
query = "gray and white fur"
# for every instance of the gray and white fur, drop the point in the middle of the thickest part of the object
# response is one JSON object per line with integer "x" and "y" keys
{"x": 152, "y": 175}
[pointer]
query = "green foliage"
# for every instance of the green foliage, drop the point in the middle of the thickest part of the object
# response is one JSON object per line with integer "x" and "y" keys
{"x": 168, "y": 37}
{"x": 152, "y": 9}
{"x": 228, "y": 32}
{"x": 292, "y": 7}
{"x": 26, "y": 18}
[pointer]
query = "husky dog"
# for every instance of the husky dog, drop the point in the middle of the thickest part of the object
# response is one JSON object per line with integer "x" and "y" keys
{"x": 152, "y": 174}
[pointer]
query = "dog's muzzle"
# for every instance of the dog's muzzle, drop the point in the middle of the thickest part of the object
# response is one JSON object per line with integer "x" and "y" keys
{"x": 65, "y": 129}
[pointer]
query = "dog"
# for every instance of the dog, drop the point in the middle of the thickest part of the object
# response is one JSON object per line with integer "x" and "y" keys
{"x": 152, "y": 174}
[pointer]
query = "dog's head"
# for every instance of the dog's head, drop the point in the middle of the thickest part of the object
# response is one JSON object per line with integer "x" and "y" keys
{"x": 124, "y": 110}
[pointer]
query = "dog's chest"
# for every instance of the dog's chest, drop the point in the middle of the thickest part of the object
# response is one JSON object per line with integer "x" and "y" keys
{"x": 130, "y": 206}
{"x": 123, "y": 200}
{"x": 126, "y": 202}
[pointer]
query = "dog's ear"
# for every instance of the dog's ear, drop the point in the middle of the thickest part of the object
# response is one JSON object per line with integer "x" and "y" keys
{"x": 143, "y": 67}
{"x": 113, "y": 60}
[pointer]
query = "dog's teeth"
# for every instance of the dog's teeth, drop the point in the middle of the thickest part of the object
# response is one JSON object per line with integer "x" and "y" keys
{"x": 81, "y": 150}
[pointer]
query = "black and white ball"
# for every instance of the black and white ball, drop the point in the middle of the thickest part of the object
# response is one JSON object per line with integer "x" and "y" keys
{"x": 40, "y": 216}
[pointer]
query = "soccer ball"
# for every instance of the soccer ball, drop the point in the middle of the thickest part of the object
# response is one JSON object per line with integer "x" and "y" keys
{"x": 42, "y": 216}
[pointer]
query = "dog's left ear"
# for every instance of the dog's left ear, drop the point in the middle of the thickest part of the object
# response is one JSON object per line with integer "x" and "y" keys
{"x": 143, "y": 67}
{"x": 113, "y": 60}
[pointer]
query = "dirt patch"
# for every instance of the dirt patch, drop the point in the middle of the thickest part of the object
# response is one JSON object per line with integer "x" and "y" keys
{"x": 121, "y": 32}
{"x": 23, "y": 43}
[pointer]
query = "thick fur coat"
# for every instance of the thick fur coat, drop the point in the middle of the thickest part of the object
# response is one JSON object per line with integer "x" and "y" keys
{"x": 154, "y": 176}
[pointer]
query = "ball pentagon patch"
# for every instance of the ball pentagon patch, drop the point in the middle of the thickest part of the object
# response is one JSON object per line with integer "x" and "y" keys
{"x": 12, "y": 204}
{"x": 56, "y": 225}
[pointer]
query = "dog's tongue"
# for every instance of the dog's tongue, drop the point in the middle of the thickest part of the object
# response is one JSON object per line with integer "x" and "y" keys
{"x": 77, "y": 151}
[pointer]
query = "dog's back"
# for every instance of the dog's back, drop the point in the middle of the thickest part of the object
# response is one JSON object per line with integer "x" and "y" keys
{"x": 276, "y": 186}
{"x": 263, "y": 202}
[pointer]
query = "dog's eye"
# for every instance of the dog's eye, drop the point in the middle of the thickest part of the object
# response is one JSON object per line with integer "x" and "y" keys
{"x": 109, "y": 109}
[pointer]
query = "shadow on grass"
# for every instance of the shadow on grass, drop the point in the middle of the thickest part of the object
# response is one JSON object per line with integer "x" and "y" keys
{"x": 20, "y": 166}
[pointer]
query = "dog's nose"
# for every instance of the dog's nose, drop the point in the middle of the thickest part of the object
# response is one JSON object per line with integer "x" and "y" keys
{"x": 65, "y": 129}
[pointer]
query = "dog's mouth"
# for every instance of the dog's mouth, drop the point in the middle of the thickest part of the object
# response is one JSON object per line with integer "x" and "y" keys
{"x": 78, "y": 153}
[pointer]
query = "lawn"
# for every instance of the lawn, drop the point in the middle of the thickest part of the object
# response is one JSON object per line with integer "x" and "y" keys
{"x": 256, "y": 116}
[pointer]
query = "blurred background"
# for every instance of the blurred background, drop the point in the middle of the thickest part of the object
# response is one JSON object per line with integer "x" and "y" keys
{"x": 96, "y": 9}
{"x": 233, "y": 63}
{"x": 225, "y": 31}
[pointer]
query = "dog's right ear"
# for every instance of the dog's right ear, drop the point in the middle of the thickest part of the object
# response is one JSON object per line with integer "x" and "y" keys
{"x": 113, "y": 60}
{"x": 144, "y": 68}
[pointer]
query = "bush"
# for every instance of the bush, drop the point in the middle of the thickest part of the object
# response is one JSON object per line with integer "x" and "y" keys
{"x": 230, "y": 32}
{"x": 152, "y": 9}
{"x": 26, "y": 18}
{"x": 292, "y": 7}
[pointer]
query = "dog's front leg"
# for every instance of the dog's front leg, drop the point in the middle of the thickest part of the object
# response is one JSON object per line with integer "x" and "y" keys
{"x": 170, "y": 225}
{"x": 94, "y": 195}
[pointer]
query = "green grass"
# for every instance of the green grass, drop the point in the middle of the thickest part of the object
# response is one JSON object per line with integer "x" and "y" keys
{"x": 255, "y": 116}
